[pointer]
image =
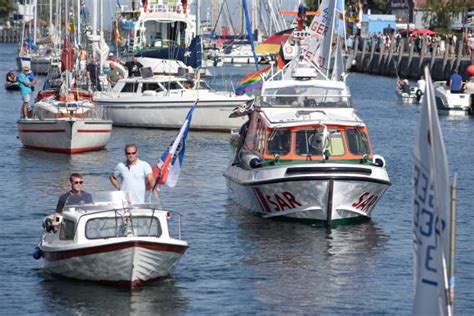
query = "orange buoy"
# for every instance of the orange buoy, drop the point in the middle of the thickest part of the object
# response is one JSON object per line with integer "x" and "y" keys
{"x": 470, "y": 70}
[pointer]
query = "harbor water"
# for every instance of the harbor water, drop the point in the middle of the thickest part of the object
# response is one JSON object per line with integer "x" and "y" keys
{"x": 237, "y": 263}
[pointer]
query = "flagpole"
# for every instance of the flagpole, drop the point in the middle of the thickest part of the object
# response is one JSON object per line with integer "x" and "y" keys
{"x": 452, "y": 247}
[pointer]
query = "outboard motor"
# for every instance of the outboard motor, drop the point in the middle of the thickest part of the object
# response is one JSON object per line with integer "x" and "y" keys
{"x": 250, "y": 160}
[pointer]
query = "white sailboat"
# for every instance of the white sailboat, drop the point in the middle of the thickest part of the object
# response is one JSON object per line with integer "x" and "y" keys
{"x": 433, "y": 226}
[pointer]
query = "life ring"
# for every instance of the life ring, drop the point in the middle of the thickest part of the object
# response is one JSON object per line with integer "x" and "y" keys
{"x": 289, "y": 50}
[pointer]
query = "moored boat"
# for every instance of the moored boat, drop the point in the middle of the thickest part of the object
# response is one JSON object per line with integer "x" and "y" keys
{"x": 162, "y": 102}
{"x": 67, "y": 126}
{"x": 112, "y": 241}
{"x": 307, "y": 164}
{"x": 453, "y": 103}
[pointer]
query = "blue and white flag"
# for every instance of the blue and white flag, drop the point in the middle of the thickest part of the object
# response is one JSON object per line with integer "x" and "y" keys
{"x": 170, "y": 163}
{"x": 431, "y": 216}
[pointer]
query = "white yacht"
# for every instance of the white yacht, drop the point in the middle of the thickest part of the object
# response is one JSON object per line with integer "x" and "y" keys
{"x": 162, "y": 102}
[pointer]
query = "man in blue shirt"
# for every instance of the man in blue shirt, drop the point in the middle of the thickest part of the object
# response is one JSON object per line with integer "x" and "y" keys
{"x": 455, "y": 82}
{"x": 25, "y": 89}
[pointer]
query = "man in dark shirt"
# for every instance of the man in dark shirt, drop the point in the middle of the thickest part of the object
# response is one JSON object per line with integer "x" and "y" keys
{"x": 133, "y": 67}
{"x": 93, "y": 74}
{"x": 75, "y": 196}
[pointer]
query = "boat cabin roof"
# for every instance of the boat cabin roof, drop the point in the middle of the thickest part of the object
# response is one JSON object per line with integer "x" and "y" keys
{"x": 293, "y": 117}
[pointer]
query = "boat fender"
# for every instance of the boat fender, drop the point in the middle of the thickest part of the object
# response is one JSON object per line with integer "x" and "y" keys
{"x": 250, "y": 160}
{"x": 37, "y": 253}
{"x": 379, "y": 161}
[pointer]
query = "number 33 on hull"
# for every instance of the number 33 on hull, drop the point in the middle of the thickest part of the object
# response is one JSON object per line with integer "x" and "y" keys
{"x": 311, "y": 166}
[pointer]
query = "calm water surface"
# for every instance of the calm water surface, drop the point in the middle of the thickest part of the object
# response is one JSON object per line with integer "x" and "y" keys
{"x": 237, "y": 263}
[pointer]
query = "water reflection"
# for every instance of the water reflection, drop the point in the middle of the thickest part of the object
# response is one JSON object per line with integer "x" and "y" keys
{"x": 306, "y": 265}
{"x": 66, "y": 296}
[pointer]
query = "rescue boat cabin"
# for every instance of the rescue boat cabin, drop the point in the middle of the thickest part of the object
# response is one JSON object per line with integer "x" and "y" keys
{"x": 292, "y": 135}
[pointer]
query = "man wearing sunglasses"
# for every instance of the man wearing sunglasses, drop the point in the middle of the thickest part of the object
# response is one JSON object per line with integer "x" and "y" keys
{"x": 75, "y": 196}
{"x": 133, "y": 174}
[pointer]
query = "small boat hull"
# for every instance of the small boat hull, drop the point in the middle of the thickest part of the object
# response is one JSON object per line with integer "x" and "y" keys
{"x": 325, "y": 192}
{"x": 12, "y": 86}
{"x": 128, "y": 263}
{"x": 65, "y": 136}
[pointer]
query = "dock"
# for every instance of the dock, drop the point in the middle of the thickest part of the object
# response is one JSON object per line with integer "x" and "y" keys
{"x": 402, "y": 60}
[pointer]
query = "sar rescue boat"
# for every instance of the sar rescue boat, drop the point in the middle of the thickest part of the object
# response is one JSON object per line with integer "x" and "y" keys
{"x": 313, "y": 164}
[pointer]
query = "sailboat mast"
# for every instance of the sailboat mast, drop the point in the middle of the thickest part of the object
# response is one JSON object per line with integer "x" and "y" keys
{"x": 78, "y": 27}
{"x": 35, "y": 7}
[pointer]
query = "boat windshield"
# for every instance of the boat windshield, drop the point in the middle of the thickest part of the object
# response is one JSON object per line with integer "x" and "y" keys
{"x": 306, "y": 96}
{"x": 114, "y": 199}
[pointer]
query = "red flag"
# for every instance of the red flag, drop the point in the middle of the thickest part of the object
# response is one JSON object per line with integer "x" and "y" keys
{"x": 67, "y": 55}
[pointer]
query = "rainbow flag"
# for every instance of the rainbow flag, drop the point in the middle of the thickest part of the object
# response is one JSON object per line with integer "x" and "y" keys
{"x": 255, "y": 79}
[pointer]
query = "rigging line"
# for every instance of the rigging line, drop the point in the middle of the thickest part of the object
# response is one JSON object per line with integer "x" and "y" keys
{"x": 218, "y": 18}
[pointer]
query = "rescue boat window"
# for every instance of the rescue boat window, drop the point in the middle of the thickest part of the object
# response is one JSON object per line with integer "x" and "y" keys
{"x": 309, "y": 142}
{"x": 151, "y": 86}
{"x": 67, "y": 230}
{"x": 130, "y": 87}
{"x": 108, "y": 227}
{"x": 335, "y": 143}
{"x": 358, "y": 142}
{"x": 279, "y": 142}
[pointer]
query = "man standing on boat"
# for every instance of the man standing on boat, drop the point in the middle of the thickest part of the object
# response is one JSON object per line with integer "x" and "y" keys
{"x": 455, "y": 82}
{"x": 75, "y": 196}
{"x": 93, "y": 74}
{"x": 25, "y": 89}
{"x": 133, "y": 67}
{"x": 133, "y": 174}
{"x": 114, "y": 74}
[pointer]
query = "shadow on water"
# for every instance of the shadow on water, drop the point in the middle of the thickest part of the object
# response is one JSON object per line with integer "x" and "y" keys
{"x": 66, "y": 296}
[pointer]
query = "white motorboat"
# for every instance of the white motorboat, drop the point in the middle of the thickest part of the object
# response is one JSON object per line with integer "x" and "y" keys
{"x": 453, "y": 103}
{"x": 155, "y": 25}
{"x": 309, "y": 164}
{"x": 163, "y": 101}
{"x": 112, "y": 241}
{"x": 408, "y": 94}
{"x": 67, "y": 126}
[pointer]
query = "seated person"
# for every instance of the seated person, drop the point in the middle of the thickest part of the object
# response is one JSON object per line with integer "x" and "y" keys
{"x": 75, "y": 196}
{"x": 11, "y": 77}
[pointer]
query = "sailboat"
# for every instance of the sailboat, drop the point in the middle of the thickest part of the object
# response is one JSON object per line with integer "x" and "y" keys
{"x": 433, "y": 215}
{"x": 65, "y": 119}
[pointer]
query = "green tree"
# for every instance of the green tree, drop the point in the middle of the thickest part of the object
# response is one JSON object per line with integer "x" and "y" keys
{"x": 6, "y": 6}
{"x": 437, "y": 14}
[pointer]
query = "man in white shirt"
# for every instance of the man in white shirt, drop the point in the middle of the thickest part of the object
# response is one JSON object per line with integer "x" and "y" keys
{"x": 420, "y": 87}
{"x": 131, "y": 175}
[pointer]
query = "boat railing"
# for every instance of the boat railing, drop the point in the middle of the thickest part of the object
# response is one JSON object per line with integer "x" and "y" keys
{"x": 125, "y": 212}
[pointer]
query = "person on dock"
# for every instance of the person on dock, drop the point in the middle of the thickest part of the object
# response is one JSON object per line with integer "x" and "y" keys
{"x": 455, "y": 82}
{"x": 25, "y": 89}
{"x": 75, "y": 196}
{"x": 133, "y": 174}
